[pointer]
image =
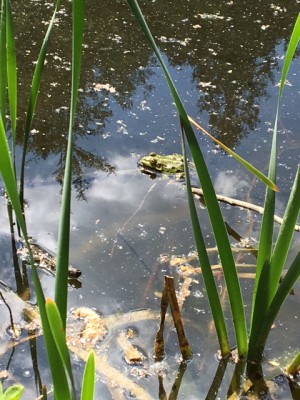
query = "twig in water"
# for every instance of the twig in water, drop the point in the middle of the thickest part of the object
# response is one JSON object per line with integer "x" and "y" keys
{"x": 169, "y": 298}
{"x": 10, "y": 315}
{"x": 241, "y": 204}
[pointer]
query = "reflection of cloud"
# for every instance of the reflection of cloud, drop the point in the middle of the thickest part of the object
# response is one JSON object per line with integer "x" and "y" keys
{"x": 229, "y": 184}
{"x": 111, "y": 201}
{"x": 125, "y": 187}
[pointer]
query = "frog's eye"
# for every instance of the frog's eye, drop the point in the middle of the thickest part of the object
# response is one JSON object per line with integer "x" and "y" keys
{"x": 153, "y": 161}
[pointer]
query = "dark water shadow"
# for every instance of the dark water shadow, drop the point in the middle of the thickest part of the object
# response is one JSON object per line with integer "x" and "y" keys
{"x": 235, "y": 386}
{"x": 217, "y": 381}
{"x": 162, "y": 395}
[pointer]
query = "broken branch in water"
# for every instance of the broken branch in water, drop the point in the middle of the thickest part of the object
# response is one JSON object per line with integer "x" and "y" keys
{"x": 242, "y": 204}
{"x": 169, "y": 298}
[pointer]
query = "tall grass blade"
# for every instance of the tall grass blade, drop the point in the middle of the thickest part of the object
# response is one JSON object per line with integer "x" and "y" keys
{"x": 6, "y": 169}
{"x": 61, "y": 279}
{"x": 241, "y": 160}
{"x": 294, "y": 40}
{"x": 209, "y": 280}
{"x": 263, "y": 297}
{"x": 11, "y": 75}
{"x": 59, "y": 335}
{"x": 260, "y": 297}
{"x": 88, "y": 382}
{"x": 33, "y": 96}
{"x": 294, "y": 366}
{"x": 282, "y": 293}
{"x": 3, "y": 65}
{"x": 213, "y": 208}
{"x": 285, "y": 235}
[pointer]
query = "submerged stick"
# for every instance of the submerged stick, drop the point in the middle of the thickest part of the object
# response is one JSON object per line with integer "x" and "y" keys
{"x": 14, "y": 334}
{"x": 169, "y": 298}
{"x": 242, "y": 204}
{"x": 159, "y": 347}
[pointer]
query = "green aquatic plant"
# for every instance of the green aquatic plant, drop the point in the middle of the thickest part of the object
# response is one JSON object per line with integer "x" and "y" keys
{"x": 14, "y": 392}
{"x": 53, "y": 314}
{"x": 268, "y": 294}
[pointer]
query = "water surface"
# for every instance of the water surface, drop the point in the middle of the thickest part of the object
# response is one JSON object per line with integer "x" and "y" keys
{"x": 225, "y": 59}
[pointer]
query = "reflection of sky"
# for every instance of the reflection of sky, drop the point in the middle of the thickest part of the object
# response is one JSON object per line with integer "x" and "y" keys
{"x": 116, "y": 264}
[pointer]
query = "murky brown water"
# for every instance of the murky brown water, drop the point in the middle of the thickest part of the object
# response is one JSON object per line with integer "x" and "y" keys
{"x": 225, "y": 58}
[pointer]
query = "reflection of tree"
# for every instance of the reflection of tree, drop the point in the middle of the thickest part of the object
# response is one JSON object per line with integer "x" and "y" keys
{"x": 230, "y": 46}
{"x": 82, "y": 160}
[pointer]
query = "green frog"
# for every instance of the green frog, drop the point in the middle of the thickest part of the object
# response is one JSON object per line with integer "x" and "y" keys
{"x": 155, "y": 164}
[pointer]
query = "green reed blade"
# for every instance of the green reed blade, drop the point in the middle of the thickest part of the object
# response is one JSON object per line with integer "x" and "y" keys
{"x": 14, "y": 392}
{"x": 11, "y": 75}
{"x": 294, "y": 40}
{"x": 8, "y": 175}
{"x": 282, "y": 293}
{"x": 6, "y": 169}
{"x": 3, "y": 65}
{"x": 263, "y": 297}
{"x": 294, "y": 366}
{"x": 241, "y": 160}
{"x": 59, "y": 335}
{"x": 61, "y": 279}
{"x": 33, "y": 96}
{"x": 220, "y": 233}
{"x": 285, "y": 235}
{"x": 260, "y": 297}
{"x": 209, "y": 280}
{"x": 88, "y": 381}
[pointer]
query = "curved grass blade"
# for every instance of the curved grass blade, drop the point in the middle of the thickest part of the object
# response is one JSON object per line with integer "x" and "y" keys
{"x": 61, "y": 279}
{"x": 230, "y": 273}
{"x": 6, "y": 169}
{"x": 59, "y": 335}
{"x": 209, "y": 280}
{"x": 34, "y": 91}
{"x": 241, "y": 160}
{"x": 11, "y": 75}
{"x": 261, "y": 298}
{"x": 88, "y": 381}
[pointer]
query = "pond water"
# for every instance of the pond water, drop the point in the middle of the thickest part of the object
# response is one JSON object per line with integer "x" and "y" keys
{"x": 226, "y": 60}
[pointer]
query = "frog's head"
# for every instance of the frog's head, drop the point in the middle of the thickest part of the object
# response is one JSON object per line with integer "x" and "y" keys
{"x": 164, "y": 164}
{"x": 151, "y": 162}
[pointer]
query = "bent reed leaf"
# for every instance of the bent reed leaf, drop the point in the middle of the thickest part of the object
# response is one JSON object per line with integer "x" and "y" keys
{"x": 7, "y": 172}
{"x": 241, "y": 160}
{"x": 220, "y": 233}
{"x": 207, "y": 273}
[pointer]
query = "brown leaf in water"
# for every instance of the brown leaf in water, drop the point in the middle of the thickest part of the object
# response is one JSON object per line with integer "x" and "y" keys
{"x": 131, "y": 354}
{"x": 93, "y": 331}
